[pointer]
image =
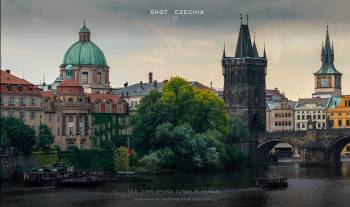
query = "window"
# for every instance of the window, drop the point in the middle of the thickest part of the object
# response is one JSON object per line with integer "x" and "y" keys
{"x": 70, "y": 118}
{"x": 11, "y": 113}
{"x": 99, "y": 78}
{"x": 58, "y": 131}
{"x": 9, "y": 87}
{"x": 347, "y": 122}
{"x": 85, "y": 77}
{"x": 70, "y": 130}
{"x": 33, "y": 101}
{"x": 1, "y": 100}
{"x": 22, "y": 115}
{"x": 32, "y": 115}
{"x": 340, "y": 123}
{"x": 21, "y": 101}
{"x": 50, "y": 118}
{"x": 11, "y": 101}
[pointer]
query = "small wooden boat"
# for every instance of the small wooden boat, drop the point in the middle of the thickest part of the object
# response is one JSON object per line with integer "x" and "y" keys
{"x": 271, "y": 182}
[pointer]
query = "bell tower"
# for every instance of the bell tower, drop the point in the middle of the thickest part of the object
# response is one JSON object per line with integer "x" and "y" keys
{"x": 327, "y": 78}
{"x": 244, "y": 82}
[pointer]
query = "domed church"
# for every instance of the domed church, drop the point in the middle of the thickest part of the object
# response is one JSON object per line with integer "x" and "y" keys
{"x": 89, "y": 64}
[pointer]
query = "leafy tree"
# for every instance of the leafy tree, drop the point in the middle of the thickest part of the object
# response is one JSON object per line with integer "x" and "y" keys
{"x": 185, "y": 127}
{"x": 18, "y": 134}
{"x": 46, "y": 137}
{"x": 120, "y": 159}
{"x": 238, "y": 132}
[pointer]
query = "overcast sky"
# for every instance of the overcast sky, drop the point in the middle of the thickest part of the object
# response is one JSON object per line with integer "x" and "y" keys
{"x": 36, "y": 33}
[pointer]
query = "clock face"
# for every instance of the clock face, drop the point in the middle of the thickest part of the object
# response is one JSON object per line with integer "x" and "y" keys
{"x": 324, "y": 83}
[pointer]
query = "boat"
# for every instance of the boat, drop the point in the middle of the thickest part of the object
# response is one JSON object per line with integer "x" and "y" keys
{"x": 271, "y": 182}
{"x": 82, "y": 178}
{"x": 86, "y": 181}
{"x": 39, "y": 178}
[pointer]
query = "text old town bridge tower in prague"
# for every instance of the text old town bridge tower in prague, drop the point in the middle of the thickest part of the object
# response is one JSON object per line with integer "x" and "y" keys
{"x": 244, "y": 82}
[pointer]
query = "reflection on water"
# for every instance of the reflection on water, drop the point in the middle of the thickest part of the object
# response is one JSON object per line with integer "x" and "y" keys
{"x": 312, "y": 187}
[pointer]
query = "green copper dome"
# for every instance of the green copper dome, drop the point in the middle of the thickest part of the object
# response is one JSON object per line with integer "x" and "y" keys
{"x": 84, "y": 52}
{"x": 84, "y": 29}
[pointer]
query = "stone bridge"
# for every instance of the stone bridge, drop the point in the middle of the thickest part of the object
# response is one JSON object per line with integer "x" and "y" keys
{"x": 315, "y": 146}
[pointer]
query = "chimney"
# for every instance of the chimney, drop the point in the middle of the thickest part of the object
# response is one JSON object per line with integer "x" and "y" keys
{"x": 150, "y": 77}
{"x": 211, "y": 85}
{"x": 141, "y": 84}
{"x": 8, "y": 71}
{"x": 155, "y": 83}
{"x": 126, "y": 84}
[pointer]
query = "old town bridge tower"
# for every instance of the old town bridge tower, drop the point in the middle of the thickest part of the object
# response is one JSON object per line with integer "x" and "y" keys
{"x": 244, "y": 82}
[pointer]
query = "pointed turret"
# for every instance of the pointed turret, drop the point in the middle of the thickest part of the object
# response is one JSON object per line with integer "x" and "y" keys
{"x": 244, "y": 45}
{"x": 224, "y": 52}
{"x": 327, "y": 57}
{"x": 264, "y": 56}
{"x": 255, "y": 51}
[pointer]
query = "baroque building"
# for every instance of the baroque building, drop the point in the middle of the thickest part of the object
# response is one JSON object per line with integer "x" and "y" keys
{"x": 327, "y": 78}
{"x": 78, "y": 106}
{"x": 339, "y": 112}
{"x": 244, "y": 82}
{"x": 89, "y": 65}
{"x": 21, "y": 99}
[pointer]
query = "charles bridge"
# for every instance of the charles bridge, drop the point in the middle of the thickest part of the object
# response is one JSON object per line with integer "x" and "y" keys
{"x": 316, "y": 147}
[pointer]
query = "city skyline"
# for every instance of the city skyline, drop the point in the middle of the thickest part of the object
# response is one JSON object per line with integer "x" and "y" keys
{"x": 136, "y": 42}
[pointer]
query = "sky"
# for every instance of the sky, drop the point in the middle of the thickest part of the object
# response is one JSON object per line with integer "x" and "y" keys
{"x": 35, "y": 34}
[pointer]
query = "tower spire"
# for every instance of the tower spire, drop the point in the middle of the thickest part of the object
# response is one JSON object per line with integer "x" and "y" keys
{"x": 247, "y": 19}
{"x": 264, "y": 51}
{"x": 255, "y": 51}
{"x": 224, "y": 52}
{"x": 84, "y": 22}
{"x": 241, "y": 17}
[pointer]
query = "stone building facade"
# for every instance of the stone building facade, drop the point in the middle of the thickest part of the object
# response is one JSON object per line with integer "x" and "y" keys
{"x": 21, "y": 99}
{"x": 339, "y": 115}
{"x": 311, "y": 112}
{"x": 279, "y": 112}
{"x": 244, "y": 82}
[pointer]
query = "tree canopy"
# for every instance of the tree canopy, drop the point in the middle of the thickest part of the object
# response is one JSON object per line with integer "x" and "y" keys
{"x": 185, "y": 127}
{"x": 16, "y": 134}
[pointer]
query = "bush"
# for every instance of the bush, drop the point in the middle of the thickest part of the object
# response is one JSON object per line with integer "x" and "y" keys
{"x": 122, "y": 161}
{"x": 72, "y": 148}
{"x": 151, "y": 162}
{"x": 166, "y": 157}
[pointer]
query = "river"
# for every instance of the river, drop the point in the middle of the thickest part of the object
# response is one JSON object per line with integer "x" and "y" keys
{"x": 311, "y": 187}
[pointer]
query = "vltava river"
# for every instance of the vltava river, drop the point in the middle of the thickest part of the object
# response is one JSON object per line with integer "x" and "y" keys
{"x": 311, "y": 187}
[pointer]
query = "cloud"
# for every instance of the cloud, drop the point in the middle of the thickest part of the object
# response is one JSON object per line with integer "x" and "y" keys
{"x": 36, "y": 33}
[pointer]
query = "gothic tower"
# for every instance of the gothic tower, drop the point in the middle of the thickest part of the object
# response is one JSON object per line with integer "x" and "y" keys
{"x": 327, "y": 78}
{"x": 244, "y": 82}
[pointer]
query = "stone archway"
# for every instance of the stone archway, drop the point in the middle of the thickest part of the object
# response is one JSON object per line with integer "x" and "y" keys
{"x": 266, "y": 146}
{"x": 335, "y": 147}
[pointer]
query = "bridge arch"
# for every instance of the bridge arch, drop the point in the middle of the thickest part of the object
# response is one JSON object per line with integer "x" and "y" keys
{"x": 335, "y": 147}
{"x": 265, "y": 146}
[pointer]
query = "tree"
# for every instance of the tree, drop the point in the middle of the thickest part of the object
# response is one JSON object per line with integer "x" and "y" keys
{"x": 184, "y": 127}
{"x": 120, "y": 159}
{"x": 179, "y": 103}
{"x": 19, "y": 135}
{"x": 46, "y": 137}
{"x": 238, "y": 132}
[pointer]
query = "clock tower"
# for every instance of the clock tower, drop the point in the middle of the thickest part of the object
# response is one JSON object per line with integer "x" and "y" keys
{"x": 327, "y": 78}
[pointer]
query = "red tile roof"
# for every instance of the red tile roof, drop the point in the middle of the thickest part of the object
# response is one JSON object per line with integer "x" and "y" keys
{"x": 48, "y": 94}
{"x": 11, "y": 84}
{"x": 102, "y": 97}
{"x": 7, "y": 78}
{"x": 70, "y": 87}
